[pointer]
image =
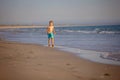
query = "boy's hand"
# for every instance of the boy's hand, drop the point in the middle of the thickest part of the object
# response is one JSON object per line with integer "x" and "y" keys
{"x": 54, "y": 32}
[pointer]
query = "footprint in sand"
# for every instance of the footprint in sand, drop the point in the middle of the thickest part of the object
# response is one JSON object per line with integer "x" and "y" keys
{"x": 68, "y": 64}
{"x": 107, "y": 74}
{"x": 39, "y": 64}
{"x": 28, "y": 57}
{"x": 31, "y": 52}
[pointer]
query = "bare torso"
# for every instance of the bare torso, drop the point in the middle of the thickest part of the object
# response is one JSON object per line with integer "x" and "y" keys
{"x": 50, "y": 29}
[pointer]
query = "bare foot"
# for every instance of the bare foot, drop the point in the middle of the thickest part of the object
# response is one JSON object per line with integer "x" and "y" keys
{"x": 53, "y": 46}
{"x": 48, "y": 45}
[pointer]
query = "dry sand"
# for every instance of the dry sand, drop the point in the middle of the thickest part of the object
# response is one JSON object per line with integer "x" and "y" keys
{"x": 34, "y": 62}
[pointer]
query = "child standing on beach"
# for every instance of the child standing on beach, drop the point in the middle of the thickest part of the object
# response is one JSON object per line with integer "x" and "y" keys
{"x": 50, "y": 32}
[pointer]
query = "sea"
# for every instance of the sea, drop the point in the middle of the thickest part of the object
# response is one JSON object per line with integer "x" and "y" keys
{"x": 95, "y": 43}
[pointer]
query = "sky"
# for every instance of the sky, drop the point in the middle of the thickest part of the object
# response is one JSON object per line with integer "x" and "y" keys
{"x": 60, "y": 11}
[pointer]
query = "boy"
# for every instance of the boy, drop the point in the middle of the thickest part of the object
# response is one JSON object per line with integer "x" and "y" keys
{"x": 50, "y": 32}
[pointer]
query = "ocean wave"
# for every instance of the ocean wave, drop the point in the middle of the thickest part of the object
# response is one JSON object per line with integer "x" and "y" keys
{"x": 94, "y": 31}
{"x": 111, "y": 56}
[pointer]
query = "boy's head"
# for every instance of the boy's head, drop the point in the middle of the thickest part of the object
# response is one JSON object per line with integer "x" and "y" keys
{"x": 51, "y": 23}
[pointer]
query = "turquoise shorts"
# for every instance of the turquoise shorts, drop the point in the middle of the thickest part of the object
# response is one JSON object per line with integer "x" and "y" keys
{"x": 50, "y": 35}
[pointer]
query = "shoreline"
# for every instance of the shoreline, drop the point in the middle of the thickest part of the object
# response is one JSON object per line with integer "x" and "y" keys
{"x": 94, "y": 56}
{"x": 35, "y": 62}
{"x": 90, "y": 55}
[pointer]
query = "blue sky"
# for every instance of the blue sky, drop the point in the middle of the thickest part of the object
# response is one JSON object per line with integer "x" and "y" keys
{"x": 61, "y": 11}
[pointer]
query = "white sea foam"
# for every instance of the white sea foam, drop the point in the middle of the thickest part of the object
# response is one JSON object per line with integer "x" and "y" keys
{"x": 94, "y": 31}
{"x": 94, "y": 56}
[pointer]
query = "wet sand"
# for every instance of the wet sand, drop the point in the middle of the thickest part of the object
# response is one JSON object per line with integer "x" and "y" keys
{"x": 20, "y": 61}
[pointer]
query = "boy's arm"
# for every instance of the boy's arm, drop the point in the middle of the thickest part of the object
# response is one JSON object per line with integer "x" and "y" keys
{"x": 47, "y": 30}
{"x": 54, "y": 31}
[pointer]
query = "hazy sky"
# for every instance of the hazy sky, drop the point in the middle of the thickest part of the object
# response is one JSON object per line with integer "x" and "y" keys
{"x": 61, "y": 11}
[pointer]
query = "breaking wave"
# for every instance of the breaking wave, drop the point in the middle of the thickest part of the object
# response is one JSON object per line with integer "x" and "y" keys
{"x": 94, "y": 31}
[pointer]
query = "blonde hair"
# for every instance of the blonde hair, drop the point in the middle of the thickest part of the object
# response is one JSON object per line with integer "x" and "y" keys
{"x": 51, "y": 23}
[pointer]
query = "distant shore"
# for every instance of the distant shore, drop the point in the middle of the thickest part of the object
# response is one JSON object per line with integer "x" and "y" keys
{"x": 41, "y": 26}
{"x": 1, "y": 27}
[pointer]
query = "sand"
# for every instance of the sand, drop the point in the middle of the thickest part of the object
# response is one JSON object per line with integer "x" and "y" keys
{"x": 20, "y": 61}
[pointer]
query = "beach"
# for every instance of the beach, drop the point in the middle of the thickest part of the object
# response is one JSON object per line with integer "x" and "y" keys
{"x": 59, "y": 40}
{"x": 20, "y": 61}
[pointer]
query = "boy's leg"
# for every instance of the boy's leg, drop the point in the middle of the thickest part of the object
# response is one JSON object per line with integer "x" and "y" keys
{"x": 52, "y": 41}
{"x": 48, "y": 42}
